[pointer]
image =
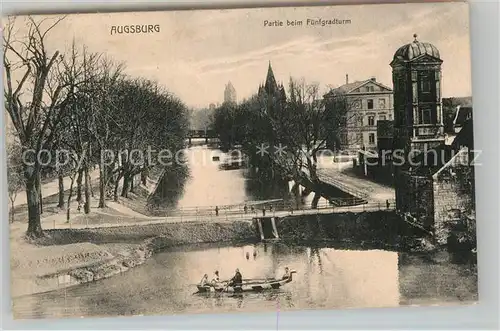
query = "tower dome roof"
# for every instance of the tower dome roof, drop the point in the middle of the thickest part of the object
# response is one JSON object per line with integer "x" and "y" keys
{"x": 415, "y": 49}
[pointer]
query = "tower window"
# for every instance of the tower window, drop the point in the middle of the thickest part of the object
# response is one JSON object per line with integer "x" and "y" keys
{"x": 369, "y": 103}
{"x": 371, "y": 138}
{"x": 425, "y": 86}
{"x": 426, "y": 80}
{"x": 425, "y": 116}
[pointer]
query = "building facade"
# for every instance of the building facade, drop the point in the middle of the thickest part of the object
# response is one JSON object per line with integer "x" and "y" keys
{"x": 368, "y": 102}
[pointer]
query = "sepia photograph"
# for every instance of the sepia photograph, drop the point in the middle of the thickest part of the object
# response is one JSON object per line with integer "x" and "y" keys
{"x": 240, "y": 160}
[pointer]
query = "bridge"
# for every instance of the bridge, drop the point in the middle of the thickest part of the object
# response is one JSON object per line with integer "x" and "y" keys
{"x": 201, "y": 134}
{"x": 229, "y": 213}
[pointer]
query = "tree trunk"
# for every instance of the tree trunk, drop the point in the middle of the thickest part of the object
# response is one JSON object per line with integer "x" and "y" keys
{"x": 295, "y": 189}
{"x": 61, "y": 191}
{"x": 79, "y": 185}
{"x": 70, "y": 195}
{"x": 33, "y": 200}
{"x": 306, "y": 192}
{"x": 117, "y": 183}
{"x": 315, "y": 200}
{"x": 102, "y": 187}
{"x": 144, "y": 176}
{"x": 132, "y": 183}
{"x": 40, "y": 197}
{"x": 296, "y": 194}
{"x": 12, "y": 213}
{"x": 126, "y": 185}
{"x": 87, "y": 191}
{"x": 91, "y": 187}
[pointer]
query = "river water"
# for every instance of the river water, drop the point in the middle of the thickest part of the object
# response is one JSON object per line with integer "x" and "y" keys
{"x": 326, "y": 277}
{"x": 207, "y": 185}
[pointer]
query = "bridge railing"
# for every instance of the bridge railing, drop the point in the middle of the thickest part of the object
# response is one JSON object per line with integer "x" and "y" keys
{"x": 230, "y": 214}
{"x": 275, "y": 207}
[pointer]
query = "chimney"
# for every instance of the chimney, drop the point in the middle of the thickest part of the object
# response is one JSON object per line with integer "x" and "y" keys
{"x": 373, "y": 79}
{"x": 346, "y": 78}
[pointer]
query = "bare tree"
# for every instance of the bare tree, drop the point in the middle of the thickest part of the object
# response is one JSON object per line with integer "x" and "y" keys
{"x": 304, "y": 134}
{"x": 34, "y": 119}
{"x": 344, "y": 122}
{"x": 304, "y": 128}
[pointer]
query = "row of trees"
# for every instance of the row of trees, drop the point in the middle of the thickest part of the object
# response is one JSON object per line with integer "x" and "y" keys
{"x": 77, "y": 111}
{"x": 202, "y": 119}
{"x": 282, "y": 133}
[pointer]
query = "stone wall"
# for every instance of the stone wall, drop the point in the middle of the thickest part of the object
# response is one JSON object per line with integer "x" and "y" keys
{"x": 374, "y": 230}
{"x": 453, "y": 196}
{"x": 414, "y": 195}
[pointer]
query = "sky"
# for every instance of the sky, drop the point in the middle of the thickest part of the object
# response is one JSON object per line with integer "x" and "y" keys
{"x": 196, "y": 53}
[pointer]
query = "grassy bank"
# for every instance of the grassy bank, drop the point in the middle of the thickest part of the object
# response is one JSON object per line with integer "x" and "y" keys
{"x": 100, "y": 244}
{"x": 66, "y": 257}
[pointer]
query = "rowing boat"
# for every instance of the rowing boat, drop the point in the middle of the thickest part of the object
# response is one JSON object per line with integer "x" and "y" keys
{"x": 248, "y": 285}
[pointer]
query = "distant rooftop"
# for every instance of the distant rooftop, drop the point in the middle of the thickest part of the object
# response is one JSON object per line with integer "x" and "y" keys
{"x": 350, "y": 87}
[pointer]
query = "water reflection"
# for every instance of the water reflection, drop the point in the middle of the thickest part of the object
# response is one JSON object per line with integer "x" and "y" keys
{"x": 170, "y": 188}
{"x": 325, "y": 278}
{"x": 200, "y": 182}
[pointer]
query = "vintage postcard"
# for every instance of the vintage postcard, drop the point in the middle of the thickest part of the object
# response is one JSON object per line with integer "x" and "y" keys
{"x": 240, "y": 160}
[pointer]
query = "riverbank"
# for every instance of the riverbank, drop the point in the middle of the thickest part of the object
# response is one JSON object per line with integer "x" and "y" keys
{"x": 67, "y": 257}
{"x": 112, "y": 240}
{"x": 105, "y": 242}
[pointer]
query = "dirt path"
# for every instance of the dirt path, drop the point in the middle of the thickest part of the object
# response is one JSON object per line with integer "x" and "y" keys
{"x": 50, "y": 188}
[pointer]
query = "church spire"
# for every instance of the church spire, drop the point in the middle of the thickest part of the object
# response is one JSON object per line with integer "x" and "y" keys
{"x": 270, "y": 85}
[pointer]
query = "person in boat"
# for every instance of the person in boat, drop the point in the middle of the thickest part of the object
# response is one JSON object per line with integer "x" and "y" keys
{"x": 216, "y": 279}
{"x": 204, "y": 280}
{"x": 287, "y": 274}
{"x": 237, "y": 280}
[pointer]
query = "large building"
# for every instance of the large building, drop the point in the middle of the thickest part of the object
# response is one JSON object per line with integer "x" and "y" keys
{"x": 230, "y": 93}
{"x": 368, "y": 102}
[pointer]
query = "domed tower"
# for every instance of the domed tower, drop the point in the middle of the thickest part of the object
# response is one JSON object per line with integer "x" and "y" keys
{"x": 418, "y": 115}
